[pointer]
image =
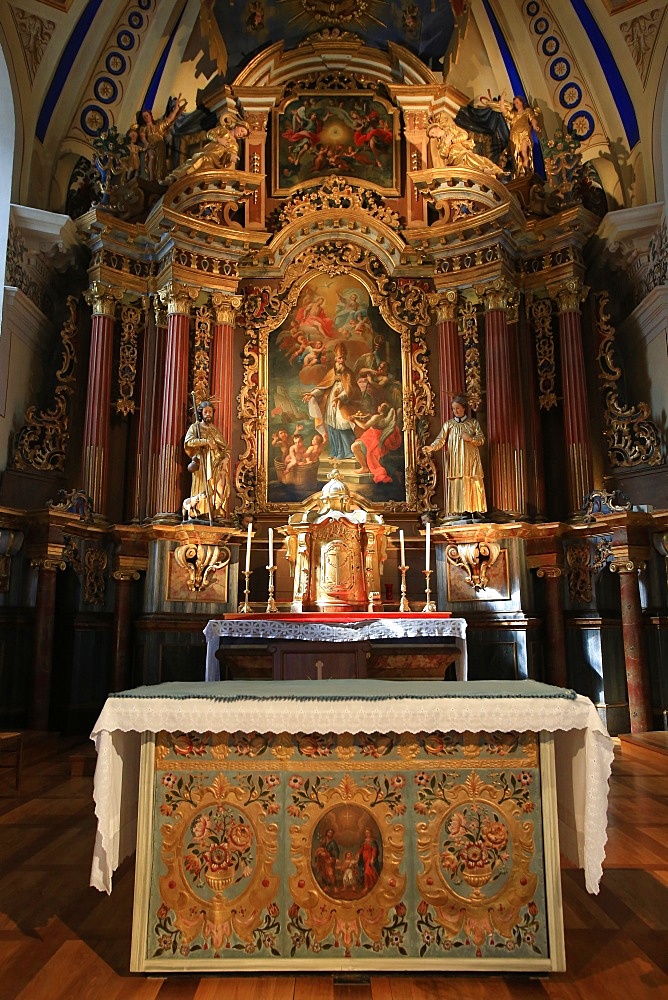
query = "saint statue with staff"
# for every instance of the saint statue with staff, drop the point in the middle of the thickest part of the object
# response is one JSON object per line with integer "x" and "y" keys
{"x": 209, "y": 466}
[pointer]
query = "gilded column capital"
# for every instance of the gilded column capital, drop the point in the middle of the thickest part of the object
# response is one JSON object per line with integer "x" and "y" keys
{"x": 256, "y": 122}
{"x": 178, "y": 298}
{"x": 160, "y": 310}
{"x": 621, "y": 566}
{"x": 499, "y": 294}
{"x": 550, "y": 572}
{"x": 103, "y": 298}
{"x": 569, "y": 294}
{"x": 226, "y": 307}
{"x": 444, "y": 305}
{"x": 122, "y": 575}
{"x": 48, "y": 562}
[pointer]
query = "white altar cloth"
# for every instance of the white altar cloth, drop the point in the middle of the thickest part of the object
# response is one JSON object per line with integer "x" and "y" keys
{"x": 583, "y": 747}
{"x": 360, "y": 631}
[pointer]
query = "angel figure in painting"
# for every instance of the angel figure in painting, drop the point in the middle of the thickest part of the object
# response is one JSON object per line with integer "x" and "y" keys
{"x": 462, "y": 437}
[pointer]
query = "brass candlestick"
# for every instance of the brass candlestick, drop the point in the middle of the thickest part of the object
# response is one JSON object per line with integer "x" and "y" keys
{"x": 430, "y": 605}
{"x": 403, "y": 603}
{"x": 245, "y": 608}
{"x": 271, "y": 603}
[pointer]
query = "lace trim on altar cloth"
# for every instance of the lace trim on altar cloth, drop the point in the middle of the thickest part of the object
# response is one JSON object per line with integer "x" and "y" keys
{"x": 343, "y": 632}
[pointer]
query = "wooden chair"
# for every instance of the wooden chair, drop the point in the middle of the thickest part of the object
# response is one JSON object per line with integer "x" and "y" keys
{"x": 11, "y": 746}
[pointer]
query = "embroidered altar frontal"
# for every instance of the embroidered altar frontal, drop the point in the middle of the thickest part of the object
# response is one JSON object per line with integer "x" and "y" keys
{"x": 347, "y": 851}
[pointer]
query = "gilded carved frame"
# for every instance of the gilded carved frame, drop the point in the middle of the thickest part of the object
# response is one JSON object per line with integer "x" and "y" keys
{"x": 403, "y": 306}
{"x": 359, "y": 130}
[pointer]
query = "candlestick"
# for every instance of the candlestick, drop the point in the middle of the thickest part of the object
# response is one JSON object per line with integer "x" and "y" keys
{"x": 429, "y": 606}
{"x": 248, "y": 545}
{"x": 403, "y": 603}
{"x": 401, "y": 545}
{"x": 427, "y": 547}
{"x": 271, "y": 546}
{"x": 271, "y": 603}
{"x": 245, "y": 608}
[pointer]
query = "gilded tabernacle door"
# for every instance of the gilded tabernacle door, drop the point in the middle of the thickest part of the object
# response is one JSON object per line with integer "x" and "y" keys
{"x": 335, "y": 379}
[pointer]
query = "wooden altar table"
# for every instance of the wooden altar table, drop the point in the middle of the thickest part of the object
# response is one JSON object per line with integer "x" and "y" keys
{"x": 340, "y": 628}
{"x": 324, "y": 825}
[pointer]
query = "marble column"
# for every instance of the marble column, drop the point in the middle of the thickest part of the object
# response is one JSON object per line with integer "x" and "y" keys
{"x": 95, "y": 450}
{"x": 170, "y": 462}
{"x": 555, "y": 633}
{"x": 504, "y": 414}
{"x": 222, "y": 362}
{"x": 122, "y": 649}
{"x": 569, "y": 295}
{"x": 635, "y": 649}
{"x": 42, "y": 657}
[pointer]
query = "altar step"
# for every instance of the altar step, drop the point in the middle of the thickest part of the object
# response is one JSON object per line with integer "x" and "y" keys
{"x": 655, "y": 741}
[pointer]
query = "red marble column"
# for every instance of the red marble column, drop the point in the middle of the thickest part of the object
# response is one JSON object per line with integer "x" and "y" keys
{"x": 174, "y": 416}
{"x": 121, "y": 667}
{"x": 222, "y": 362}
{"x": 504, "y": 424}
{"x": 574, "y": 384}
{"x": 555, "y": 634}
{"x": 635, "y": 652}
{"x": 42, "y": 658}
{"x": 95, "y": 452}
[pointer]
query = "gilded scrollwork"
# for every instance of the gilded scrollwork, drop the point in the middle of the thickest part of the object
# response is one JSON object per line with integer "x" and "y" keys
{"x": 201, "y": 353}
{"x": 585, "y": 560}
{"x": 468, "y": 330}
{"x": 336, "y": 192}
{"x": 632, "y": 436}
{"x": 474, "y": 560}
{"x": 541, "y": 312}
{"x": 131, "y": 320}
{"x": 95, "y": 563}
{"x": 201, "y": 562}
{"x": 42, "y": 440}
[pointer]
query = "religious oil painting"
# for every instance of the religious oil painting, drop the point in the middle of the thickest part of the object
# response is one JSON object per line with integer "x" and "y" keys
{"x": 350, "y": 135}
{"x": 335, "y": 394}
{"x": 346, "y": 852}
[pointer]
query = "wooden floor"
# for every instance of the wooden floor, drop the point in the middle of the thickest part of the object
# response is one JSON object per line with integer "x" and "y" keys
{"x": 62, "y": 940}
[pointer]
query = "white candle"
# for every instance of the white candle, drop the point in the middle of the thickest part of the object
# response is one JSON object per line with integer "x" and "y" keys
{"x": 428, "y": 545}
{"x": 401, "y": 544}
{"x": 248, "y": 546}
{"x": 271, "y": 546}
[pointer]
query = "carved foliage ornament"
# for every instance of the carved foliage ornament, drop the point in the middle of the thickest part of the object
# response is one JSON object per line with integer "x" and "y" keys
{"x": 201, "y": 562}
{"x": 41, "y": 442}
{"x": 468, "y": 330}
{"x": 585, "y": 560}
{"x": 633, "y": 437}
{"x": 336, "y": 192}
{"x": 474, "y": 559}
{"x": 641, "y": 34}
{"x": 541, "y": 311}
{"x": 131, "y": 319}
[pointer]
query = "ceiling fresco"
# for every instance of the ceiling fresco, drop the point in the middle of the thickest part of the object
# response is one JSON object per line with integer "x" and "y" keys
{"x": 238, "y": 29}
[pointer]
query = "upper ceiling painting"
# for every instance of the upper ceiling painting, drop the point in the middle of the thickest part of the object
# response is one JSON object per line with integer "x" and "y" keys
{"x": 238, "y": 29}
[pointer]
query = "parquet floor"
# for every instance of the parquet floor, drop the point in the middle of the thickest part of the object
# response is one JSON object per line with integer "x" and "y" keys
{"x": 62, "y": 940}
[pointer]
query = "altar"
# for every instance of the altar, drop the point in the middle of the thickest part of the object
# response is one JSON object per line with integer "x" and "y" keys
{"x": 324, "y": 630}
{"x": 322, "y": 826}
